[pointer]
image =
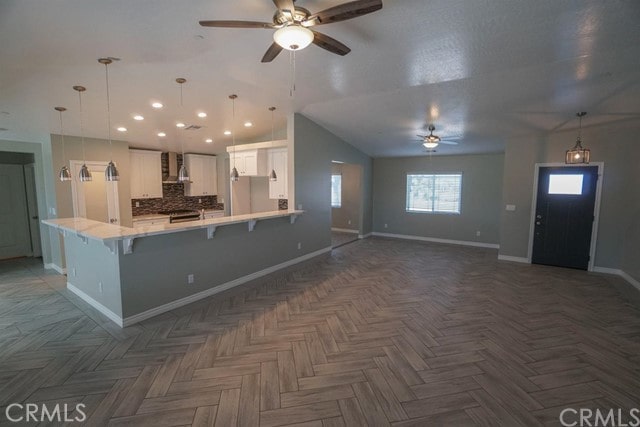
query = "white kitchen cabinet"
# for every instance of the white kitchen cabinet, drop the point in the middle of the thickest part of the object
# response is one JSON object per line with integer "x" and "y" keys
{"x": 249, "y": 162}
{"x": 202, "y": 174}
{"x": 150, "y": 221}
{"x": 146, "y": 174}
{"x": 277, "y": 160}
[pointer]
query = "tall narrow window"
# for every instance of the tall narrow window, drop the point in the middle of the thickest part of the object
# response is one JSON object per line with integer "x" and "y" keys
{"x": 439, "y": 193}
{"x": 336, "y": 191}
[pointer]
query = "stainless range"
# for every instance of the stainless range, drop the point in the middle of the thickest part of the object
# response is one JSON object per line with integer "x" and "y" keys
{"x": 181, "y": 215}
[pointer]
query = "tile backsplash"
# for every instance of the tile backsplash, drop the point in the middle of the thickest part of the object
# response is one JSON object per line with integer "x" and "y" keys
{"x": 174, "y": 198}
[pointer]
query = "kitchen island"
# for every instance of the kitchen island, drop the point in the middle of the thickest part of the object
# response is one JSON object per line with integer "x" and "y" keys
{"x": 132, "y": 274}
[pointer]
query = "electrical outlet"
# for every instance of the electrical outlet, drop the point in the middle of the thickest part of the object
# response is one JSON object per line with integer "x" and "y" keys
{"x": 386, "y": 226}
{"x": 74, "y": 272}
{"x": 190, "y": 278}
{"x": 100, "y": 287}
{"x": 299, "y": 245}
{"x": 137, "y": 204}
{"x": 199, "y": 200}
{"x": 349, "y": 222}
{"x": 477, "y": 233}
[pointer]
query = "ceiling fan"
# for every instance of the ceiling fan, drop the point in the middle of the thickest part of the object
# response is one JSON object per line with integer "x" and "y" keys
{"x": 431, "y": 141}
{"x": 293, "y": 22}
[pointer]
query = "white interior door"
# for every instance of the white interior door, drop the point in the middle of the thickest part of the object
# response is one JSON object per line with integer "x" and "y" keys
{"x": 15, "y": 239}
{"x": 96, "y": 199}
{"x": 32, "y": 207}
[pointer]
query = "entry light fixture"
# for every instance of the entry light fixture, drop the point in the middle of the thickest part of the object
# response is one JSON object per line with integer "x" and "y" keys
{"x": 64, "y": 173}
{"x": 110, "y": 173}
{"x": 293, "y": 37}
{"x": 578, "y": 154}
{"x": 85, "y": 173}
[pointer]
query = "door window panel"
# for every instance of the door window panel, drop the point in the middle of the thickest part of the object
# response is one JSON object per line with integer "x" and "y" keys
{"x": 565, "y": 184}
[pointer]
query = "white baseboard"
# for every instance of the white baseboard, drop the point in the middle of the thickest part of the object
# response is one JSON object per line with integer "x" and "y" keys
{"x": 513, "y": 258}
{"x": 366, "y": 236}
{"x": 437, "y": 240}
{"x": 617, "y": 272}
{"x": 128, "y": 321}
{"x": 345, "y": 230}
{"x": 95, "y": 304}
{"x": 52, "y": 266}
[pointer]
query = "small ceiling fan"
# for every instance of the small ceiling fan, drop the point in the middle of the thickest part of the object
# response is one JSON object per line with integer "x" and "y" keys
{"x": 431, "y": 141}
{"x": 292, "y": 24}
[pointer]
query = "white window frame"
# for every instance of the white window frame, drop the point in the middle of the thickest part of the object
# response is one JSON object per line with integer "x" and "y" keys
{"x": 432, "y": 212}
{"x": 339, "y": 205}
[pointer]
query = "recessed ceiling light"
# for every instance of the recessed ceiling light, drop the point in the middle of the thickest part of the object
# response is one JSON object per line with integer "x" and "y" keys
{"x": 157, "y": 105}
{"x": 138, "y": 117}
{"x": 180, "y": 125}
{"x": 162, "y": 134}
{"x": 208, "y": 140}
{"x": 227, "y": 132}
{"x": 122, "y": 129}
{"x": 248, "y": 124}
{"x": 202, "y": 114}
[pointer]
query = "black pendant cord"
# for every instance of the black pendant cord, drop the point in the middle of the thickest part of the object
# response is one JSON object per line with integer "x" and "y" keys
{"x": 64, "y": 156}
{"x": 84, "y": 157}
{"x": 106, "y": 71}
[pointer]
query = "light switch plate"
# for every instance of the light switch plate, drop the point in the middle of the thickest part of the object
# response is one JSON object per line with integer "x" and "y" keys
{"x": 511, "y": 208}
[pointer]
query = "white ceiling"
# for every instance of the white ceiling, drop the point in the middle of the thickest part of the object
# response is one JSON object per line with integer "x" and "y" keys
{"x": 481, "y": 70}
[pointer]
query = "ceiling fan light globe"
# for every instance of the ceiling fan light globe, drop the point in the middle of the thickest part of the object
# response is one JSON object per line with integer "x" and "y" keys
{"x": 429, "y": 145}
{"x": 293, "y": 37}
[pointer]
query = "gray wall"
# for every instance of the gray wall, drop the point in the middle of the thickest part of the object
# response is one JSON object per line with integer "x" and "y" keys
{"x": 481, "y": 197}
{"x": 315, "y": 148}
{"x": 615, "y": 145}
{"x": 348, "y": 215}
{"x": 631, "y": 254}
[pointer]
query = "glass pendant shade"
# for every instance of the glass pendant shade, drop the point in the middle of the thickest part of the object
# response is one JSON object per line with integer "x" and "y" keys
{"x": 85, "y": 174}
{"x": 64, "y": 174}
{"x": 111, "y": 173}
{"x": 183, "y": 174}
{"x": 272, "y": 176}
{"x": 293, "y": 37}
{"x": 578, "y": 154}
{"x": 235, "y": 176}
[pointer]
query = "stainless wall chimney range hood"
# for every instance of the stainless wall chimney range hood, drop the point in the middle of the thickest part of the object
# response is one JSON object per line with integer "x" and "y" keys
{"x": 172, "y": 176}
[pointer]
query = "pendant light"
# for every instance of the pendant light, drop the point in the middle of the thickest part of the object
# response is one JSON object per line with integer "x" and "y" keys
{"x": 183, "y": 174}
{"x": 272, "y": 176}
{"x": 64, "y": 174}
{"x": 578, "y": 154}
{"x": 110, "y": 173}
{"x": 235, "y": 176}
{"x": 85, "y": 173}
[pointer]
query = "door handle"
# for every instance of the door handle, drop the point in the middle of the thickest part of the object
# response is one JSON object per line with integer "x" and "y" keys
{"x": 538, "y": 223}
{"x": 539, "y": 216}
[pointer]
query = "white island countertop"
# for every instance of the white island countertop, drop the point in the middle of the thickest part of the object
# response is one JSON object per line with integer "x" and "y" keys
{"x": 108, "y": 232}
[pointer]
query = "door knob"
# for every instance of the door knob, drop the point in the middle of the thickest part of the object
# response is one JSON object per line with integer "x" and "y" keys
{"x": 539, "y": 216}
{"x": 537, "y": 222}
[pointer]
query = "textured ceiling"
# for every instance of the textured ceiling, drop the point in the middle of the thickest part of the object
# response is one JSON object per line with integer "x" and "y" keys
{"x": 481, "y": 70}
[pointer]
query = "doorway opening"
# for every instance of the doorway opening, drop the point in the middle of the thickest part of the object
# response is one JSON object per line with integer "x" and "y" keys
{"x": 564, "y": 222}
{"x": 96, "y": 199}
{"x": 346, "y": 203}
{"x": 19, "y": 219}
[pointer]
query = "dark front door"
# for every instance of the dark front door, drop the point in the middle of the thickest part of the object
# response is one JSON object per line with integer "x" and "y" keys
{"x": 564, "y": 216}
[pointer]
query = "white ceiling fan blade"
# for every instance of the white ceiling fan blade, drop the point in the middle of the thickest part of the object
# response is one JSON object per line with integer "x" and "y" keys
{"x": 448, "y": 142}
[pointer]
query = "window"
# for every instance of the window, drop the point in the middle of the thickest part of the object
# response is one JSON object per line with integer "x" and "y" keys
{"x": 336, "y": 191}
{"x": 565, "y": 184}
{"x": 434, "y": 193}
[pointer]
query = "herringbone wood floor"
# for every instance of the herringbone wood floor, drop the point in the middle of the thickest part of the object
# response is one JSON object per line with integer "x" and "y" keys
{"x": 382, "y": 332}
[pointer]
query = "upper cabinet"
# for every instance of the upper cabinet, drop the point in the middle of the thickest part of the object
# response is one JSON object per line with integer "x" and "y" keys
{"x": 277, "y": 160}
{"x": 202, "y": 174}
{"x": 146, "y": 174}
{"x": 249, "y": 162}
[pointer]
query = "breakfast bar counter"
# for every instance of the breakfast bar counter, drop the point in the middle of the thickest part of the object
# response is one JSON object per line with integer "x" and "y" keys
{"x": 130, "y": 274}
